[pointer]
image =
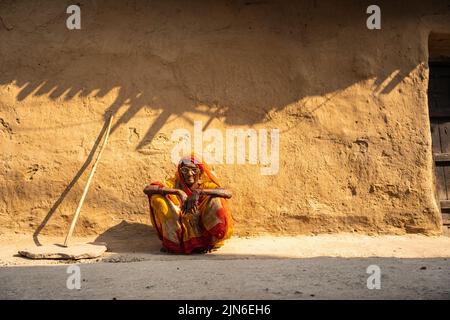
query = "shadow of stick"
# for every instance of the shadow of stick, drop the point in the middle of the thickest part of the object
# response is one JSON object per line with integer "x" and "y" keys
{"x": 69, "y": 187}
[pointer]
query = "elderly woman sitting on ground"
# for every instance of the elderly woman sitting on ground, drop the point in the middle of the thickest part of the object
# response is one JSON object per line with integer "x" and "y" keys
{"x": 189, "y": 211}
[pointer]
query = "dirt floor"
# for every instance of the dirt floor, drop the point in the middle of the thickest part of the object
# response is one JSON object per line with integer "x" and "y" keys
{"x": 266, "y": 267}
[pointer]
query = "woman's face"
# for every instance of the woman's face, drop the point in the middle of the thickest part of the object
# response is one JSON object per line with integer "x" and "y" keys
{"x": 190, "y": 172}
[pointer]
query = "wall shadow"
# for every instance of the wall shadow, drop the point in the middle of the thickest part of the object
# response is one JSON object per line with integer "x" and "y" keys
{"x": 239, "y": 62}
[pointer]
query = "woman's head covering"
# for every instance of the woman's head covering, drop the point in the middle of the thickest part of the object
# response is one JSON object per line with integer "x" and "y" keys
{"x": 207, "y": 174}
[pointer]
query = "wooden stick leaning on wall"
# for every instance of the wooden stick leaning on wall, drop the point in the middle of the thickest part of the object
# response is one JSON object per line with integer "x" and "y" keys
{"x": 91, "y": 175}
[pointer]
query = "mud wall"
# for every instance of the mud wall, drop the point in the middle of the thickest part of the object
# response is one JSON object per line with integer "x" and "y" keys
{"x": 350, "y": 104}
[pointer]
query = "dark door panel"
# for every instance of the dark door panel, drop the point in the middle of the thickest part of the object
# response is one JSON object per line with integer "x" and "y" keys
{"x": 439, "y": 106}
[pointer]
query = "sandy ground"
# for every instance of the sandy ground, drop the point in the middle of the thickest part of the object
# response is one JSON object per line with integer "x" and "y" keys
{"x": 265, "y": 267}
{"x": 140, "y": 248}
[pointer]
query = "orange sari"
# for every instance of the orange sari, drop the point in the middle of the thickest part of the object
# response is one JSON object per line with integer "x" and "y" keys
{"x": 189, "y": 233}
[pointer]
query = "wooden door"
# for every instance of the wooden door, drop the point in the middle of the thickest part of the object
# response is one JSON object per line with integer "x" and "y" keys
{"x": 439, "y": 104}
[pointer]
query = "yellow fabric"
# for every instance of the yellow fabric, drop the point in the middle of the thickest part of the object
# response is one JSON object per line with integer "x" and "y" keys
{"x": 167, "y": 215}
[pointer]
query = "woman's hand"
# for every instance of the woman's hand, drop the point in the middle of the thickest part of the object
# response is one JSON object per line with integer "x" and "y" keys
{"x": 190, "y": 204}
{"x": 183, "y": 196}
